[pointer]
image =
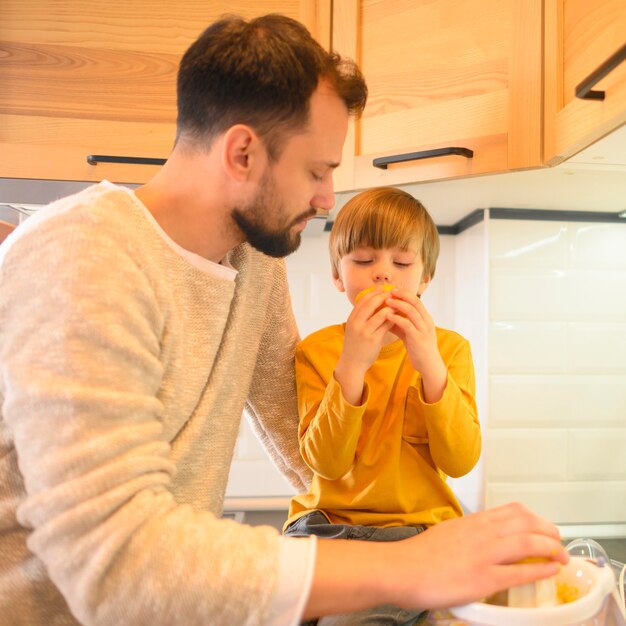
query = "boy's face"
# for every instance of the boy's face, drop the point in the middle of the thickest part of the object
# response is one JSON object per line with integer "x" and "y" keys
{"x": 366, "y": 267}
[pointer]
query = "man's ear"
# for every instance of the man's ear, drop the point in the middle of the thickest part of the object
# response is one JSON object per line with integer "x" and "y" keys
{"x": 242, "y": 152}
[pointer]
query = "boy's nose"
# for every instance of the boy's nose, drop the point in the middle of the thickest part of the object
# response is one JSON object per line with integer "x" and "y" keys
{"x": 381, "y": 275}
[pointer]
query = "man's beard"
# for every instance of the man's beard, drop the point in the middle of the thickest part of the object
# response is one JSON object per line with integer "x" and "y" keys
{"x": 252, "y": 221}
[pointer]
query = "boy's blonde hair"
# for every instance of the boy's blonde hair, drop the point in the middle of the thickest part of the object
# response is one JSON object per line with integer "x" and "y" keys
{"x": 384, "y": 217}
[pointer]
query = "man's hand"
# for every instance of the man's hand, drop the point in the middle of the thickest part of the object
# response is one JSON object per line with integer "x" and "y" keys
{"x": 472, "y": 557}
{"x": 452, "y": 563}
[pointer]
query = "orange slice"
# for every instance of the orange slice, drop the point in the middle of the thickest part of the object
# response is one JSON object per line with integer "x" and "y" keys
{"x": 362, "y": 293}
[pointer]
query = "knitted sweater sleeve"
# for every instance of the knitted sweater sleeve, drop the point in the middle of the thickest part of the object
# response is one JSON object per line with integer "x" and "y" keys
{"x": 272, "y": 406}
{"x": 79, "y": 372}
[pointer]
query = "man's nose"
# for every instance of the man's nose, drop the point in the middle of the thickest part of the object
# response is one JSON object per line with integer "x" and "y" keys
{"x": 325, "y": 195}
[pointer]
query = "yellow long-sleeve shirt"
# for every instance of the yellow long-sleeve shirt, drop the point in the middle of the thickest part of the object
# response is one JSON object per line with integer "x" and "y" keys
{"x": 385, "y": 462}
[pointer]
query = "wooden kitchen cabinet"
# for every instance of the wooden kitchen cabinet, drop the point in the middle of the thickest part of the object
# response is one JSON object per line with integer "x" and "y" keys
{"x": 443, "y": 73}
{"x": 580, "y": 36}
{"x": 81, "y": 77}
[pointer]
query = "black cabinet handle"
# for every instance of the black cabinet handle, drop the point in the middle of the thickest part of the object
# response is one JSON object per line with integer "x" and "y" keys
{"x": 383, "y": 162}
{"x": 94, "y": 159}
{"x": 585, "y": 89}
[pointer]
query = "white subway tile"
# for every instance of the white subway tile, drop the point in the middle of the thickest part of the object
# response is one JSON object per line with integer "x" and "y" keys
{"x": 599, "y": 399}
{"x": 526, "y": 347}
{"x": 597, "y": 246}
{"x": 596, "y": 348}
{"x": 527, "y": 244}
{"x": 528, "y": 294}
{"x": 598, "y": 454}
{"x": 564, "y": 401}
{"x": 595, "y": 295}
{"x": 569, "y": 295}
{"x": 528, "y": 400}
{"x": 566, "y": 502}
{"x": 516, "y": 455}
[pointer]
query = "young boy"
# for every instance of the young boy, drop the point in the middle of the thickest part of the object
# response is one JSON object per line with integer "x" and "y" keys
{"x": 386, "y": 400}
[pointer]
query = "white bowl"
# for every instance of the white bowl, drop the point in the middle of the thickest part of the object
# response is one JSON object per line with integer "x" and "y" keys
{"x": 593, "y": 583}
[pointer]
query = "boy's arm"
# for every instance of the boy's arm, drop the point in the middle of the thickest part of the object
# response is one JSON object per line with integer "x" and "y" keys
{"x": 332, "y": 394}
{"x": 366, "y": 328}
{"x": 329, "y": 425}
{"x": 449, "y": 407}
{"x": 454, "y": 436}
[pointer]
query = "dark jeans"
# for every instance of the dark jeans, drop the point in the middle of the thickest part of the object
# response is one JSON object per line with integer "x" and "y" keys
{"x": 315, "y": 523}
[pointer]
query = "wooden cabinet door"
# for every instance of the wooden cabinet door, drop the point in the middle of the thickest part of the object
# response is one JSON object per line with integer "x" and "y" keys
{"x": 580, "y": 36}
{"x": 81, "y": 77}
{"x": 443, "y": 73}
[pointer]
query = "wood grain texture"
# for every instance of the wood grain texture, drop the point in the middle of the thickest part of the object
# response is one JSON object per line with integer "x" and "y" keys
{"x": 88, "y": 83}
{"x": 143, "y": 25}
{"x": 592, "y": 32}
{"x": 579, "y": 37}
{"x": 82, "y": 78}
{"x": 445, "y": 73}
{"x": 525, "y": 93}
{"x": 345, "y": 41}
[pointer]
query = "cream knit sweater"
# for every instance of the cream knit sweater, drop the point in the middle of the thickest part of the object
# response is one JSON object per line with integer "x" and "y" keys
{"x": 124, "y": 371}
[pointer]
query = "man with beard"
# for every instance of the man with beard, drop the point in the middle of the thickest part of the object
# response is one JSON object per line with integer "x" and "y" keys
{"x": 136, "y": 326}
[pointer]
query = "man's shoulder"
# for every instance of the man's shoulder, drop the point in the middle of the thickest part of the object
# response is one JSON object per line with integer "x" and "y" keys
{"x": 92, "y": 207}
{"x": 72, "y": 225}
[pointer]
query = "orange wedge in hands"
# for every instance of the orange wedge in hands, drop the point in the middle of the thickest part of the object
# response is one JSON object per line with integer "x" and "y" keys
{"x": 362, "y": 293}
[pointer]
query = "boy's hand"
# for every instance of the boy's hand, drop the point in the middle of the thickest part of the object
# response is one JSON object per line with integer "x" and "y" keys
{"x": 366, "y": 327}
{"x": 413, "y": 324}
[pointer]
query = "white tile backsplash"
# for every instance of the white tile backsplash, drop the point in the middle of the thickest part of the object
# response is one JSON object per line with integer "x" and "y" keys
{"x": 597, "y": 454}
{"x": 528, "y": 245}
{"x": 596, "y": 348}
{"x": 588, "y": 502}
{"x": 597, "y": 246}
{"x": 567, "y": 295}
{"x": 557, "y": 401}
{"x": 557, "y": 369}
{"x": 528, "y": 294}
{"x": 526, "y": 455}
{"x": 595, "y": 295}
{"x": 526, "y": 347}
